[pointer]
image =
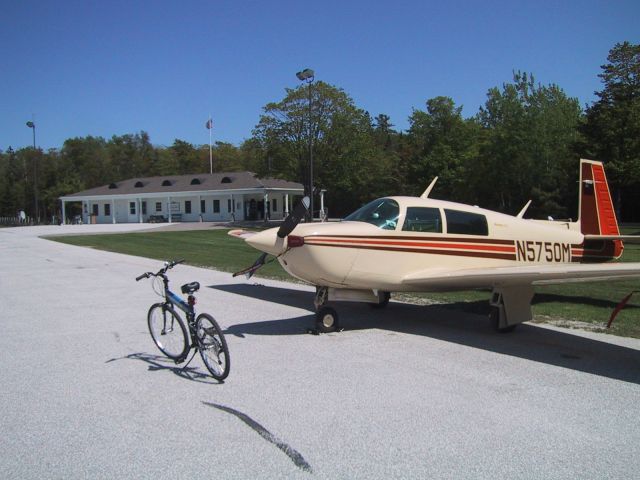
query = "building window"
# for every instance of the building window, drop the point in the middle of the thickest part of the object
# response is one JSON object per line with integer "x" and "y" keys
{"x": 107, "y": 209}
{"x": 95, "y": 209}
{"x": 132, "y": 208}
{"x": 229, "y": 205}
{"x": 158, "y": 207}
{"x": 203, "y": 206}
{"x": 187, "y": 206}
{"x": 144, "y": 208}
{"x": 216, "y": 206}
{"x": 274, "y": 205}
{"x": 466, "y": 223}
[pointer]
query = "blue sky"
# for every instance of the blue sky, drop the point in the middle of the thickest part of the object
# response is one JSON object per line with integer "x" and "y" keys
{"x": 110, "y": 67}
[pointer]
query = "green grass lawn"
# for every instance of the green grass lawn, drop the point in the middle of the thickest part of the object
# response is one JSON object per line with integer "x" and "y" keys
{"x": 580, "y": 304}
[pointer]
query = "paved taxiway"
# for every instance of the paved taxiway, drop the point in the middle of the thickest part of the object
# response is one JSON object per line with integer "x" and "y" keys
{"x": 410, "y": 392}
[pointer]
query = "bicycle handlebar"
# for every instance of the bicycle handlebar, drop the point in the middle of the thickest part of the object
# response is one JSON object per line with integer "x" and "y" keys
{"x": 167, "y": 265}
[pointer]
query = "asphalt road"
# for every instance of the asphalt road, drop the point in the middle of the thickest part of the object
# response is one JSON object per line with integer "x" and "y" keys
{"x": 408, "y": 392}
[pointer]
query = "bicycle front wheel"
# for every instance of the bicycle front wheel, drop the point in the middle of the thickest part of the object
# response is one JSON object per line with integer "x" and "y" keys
{"x": 213, "y": 346}
{"x": 168, "y": 331}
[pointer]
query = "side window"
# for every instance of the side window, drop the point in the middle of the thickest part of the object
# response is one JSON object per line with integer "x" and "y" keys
{"x": 187, "y": 206}
{"x": 466, "y": 223}
{"x": 107, "y": 209}
{"x": 158, "y": 206}
{"x": 422, "y": 219}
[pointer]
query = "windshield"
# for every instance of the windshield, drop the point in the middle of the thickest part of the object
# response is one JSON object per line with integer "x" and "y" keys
{"x": 382, "y": 213}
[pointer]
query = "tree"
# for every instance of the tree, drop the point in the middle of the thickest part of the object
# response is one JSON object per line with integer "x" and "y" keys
{"x": 341, "y": 135}
{"x": 612, "y": 126}
{"x": 527, "y": 148}
{"x": 441, "y": 143}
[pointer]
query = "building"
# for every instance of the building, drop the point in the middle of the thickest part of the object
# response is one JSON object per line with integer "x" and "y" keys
{"x": 233, "y": 196}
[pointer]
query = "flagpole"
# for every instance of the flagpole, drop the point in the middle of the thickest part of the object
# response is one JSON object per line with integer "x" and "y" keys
{"x": 210, "y": 154}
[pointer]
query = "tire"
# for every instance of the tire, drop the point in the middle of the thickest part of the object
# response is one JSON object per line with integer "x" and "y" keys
{"x": 494, "y": 320}
{"x": 327, "y": 320}
{"x": 385, "y": 301}
{"x": 213, "y": 346}
{"x": 168, "y": 331}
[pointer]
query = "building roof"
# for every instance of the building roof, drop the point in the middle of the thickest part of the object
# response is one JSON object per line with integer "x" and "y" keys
{"x": 189, "y": 183}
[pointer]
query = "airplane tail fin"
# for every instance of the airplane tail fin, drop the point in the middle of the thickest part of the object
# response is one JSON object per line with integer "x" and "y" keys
{"x": 597, "y": 217}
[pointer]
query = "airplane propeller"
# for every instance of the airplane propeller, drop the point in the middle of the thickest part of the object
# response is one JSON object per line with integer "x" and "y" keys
{"x": 294, "y": 218}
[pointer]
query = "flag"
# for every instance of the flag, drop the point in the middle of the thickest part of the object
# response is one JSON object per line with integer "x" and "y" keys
{"x": 209, "y": 124}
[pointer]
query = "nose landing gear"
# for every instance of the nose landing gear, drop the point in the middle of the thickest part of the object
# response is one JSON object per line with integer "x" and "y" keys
{"x": 326, "y": 316}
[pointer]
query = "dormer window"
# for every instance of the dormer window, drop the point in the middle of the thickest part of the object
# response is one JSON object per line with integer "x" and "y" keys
{"x": 195, "y": 181}
{"x": 139, "y": 184}
{"x": 112, "y": 186}
{"x": 226, "y": 180}
{"x": 166, "y": 183}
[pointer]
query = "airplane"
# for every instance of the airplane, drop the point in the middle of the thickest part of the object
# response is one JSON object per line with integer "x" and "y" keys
{"x": 418, "y": 244}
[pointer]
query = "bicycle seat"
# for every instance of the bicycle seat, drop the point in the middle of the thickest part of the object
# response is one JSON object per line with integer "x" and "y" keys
{"x": 189, "y": 288}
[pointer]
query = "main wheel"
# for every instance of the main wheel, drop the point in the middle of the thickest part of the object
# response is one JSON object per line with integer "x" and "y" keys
{"x": 213, "y": 346}
{"x": 327, "y": 320}
{"x": 168, "y": 331}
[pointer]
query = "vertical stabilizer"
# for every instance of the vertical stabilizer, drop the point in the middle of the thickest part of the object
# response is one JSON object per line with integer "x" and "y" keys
{"x": 597, "y": 216}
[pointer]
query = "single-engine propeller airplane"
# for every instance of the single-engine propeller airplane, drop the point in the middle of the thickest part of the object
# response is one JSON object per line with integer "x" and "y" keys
{"x": 411, "y": 244}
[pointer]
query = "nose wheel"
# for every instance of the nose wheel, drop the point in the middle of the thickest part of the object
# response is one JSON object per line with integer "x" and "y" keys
{"x": 326, "y": 320}
{"x": 326, "y": 317}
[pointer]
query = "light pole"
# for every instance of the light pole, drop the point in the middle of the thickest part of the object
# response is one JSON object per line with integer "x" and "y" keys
{"x": 307, "y": 75}
{"x": 32, "y": 126}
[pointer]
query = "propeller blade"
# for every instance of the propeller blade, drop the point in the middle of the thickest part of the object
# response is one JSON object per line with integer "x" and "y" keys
{"x": 252, "y": 269}
{"x": 294, "y": 218}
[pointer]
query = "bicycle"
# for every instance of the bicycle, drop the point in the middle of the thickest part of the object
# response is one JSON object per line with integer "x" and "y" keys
{"x": 169, "y": 332}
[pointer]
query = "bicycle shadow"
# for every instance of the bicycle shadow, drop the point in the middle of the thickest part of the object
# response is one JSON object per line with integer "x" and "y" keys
{"x": 158, "y": 363}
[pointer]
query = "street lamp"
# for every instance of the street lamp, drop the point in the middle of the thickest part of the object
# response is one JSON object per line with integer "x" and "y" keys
{"x": 32, "y": 126}
{"x": 307, "y": 75}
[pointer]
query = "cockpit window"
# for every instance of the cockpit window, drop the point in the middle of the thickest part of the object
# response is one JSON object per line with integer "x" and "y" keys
{"x": 466, "y": 223}
{"x": 382, "y": 213}
{"x": 422, "y": 219}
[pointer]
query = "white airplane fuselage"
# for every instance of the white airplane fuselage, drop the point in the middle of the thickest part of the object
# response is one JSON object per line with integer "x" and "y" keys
{"x": 362, "y": 255}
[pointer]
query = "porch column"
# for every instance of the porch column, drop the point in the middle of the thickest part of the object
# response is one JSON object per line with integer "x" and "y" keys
{"x": 169, "y": 209}
{"x": 64, "y": 214}
{"x": 113, "y": 211}
{"x": 322, "y": 216}
{"x": 266, "y": 206}
{"x": 286, "y": 204}
{"x": 139, "y": 210}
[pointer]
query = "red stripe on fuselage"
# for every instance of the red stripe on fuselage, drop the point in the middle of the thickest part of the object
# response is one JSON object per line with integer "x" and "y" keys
{"x": 409, "y": 243}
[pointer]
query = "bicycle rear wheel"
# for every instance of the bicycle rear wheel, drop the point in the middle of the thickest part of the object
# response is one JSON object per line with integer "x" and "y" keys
{"x": 168, "y": 331}
{"x": 213, "y": 346}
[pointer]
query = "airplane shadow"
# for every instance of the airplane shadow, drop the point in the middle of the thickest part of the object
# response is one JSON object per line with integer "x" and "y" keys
{"x": 528, "y": 341}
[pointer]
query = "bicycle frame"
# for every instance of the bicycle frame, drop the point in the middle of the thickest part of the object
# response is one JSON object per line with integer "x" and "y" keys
{"x": 174, "y": 299}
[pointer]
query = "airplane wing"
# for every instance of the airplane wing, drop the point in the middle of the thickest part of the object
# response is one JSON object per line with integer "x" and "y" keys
{"x": 545, "y": 274}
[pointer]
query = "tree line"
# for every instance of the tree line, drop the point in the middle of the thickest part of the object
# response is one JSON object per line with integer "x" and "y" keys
{"x": 523, "y": 143}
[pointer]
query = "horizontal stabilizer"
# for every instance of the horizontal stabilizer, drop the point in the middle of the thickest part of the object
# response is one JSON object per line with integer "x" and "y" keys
{"x": 624, "y": 238}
